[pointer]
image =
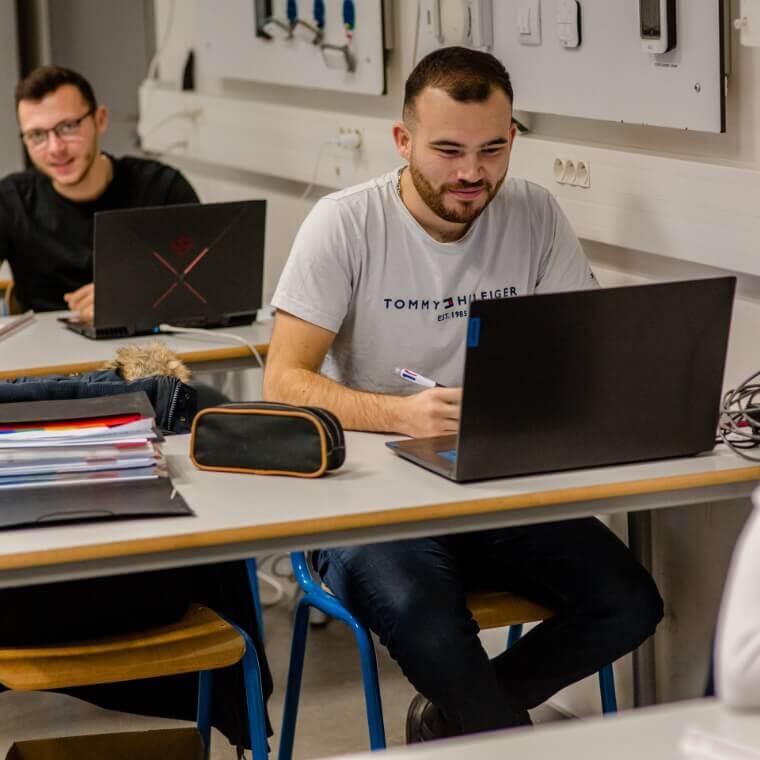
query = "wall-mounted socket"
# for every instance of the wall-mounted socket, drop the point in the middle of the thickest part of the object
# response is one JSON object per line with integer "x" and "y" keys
{"x": 572, "y": 171}
{"x": 349, "y": 138}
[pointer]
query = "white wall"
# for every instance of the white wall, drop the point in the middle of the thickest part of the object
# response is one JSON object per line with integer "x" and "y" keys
{"x": 691, "y": 547}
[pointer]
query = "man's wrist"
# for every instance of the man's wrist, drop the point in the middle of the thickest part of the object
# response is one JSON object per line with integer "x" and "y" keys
{"x": 394, "y": 417}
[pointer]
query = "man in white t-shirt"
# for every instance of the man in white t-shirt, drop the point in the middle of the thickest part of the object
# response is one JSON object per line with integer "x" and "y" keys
{"x": 381, "y": 276}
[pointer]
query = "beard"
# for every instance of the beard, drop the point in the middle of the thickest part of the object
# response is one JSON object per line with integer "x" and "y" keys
{"x": 435, "y": 199}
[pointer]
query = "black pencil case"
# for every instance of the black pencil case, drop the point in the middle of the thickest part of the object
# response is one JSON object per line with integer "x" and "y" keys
{"x": 265, "y": 438}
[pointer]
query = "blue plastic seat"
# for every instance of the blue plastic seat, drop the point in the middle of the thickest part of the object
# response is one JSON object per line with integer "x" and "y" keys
{"x": 496, "y": 609}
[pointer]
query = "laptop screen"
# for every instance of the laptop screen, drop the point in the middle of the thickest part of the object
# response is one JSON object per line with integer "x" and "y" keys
{"x": 193, "y": 265}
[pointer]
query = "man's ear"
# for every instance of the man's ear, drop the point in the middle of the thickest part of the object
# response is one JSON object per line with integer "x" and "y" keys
{"x": 403, "y": 139}
{"x": 101, "y": 119}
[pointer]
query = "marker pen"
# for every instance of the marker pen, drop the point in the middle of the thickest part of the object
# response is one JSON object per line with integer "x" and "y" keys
{"x": 415, "y": 377}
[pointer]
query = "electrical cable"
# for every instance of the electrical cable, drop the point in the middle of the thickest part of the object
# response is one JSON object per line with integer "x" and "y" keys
{"x": 276, "y": 571}
{"x": 153, "y": 65}
{"x": 152, "y": 74}
{"x": 191, "y": 114}
{"x": 270, "y": 580}
{"x": 739, "y": 420}
{"x": 416, "y": 36}
{"x": 279, "y": 589}
{"x": 313, "y": 182}
{"x": 164, "y": 327}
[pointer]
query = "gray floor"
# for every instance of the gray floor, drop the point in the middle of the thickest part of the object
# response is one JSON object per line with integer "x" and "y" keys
{"x": 331, "y": 716}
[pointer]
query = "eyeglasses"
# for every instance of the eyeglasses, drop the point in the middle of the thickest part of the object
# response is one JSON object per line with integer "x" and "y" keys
{"x": 64, "y": 130}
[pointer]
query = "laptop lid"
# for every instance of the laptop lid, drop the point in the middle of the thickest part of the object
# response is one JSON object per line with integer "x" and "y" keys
{"x": 595, "y": 377}
{"x": 196, "y": 264}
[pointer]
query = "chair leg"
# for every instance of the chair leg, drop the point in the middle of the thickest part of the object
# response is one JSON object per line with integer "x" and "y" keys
{"x": 295, "y": 671}
{"x": 371, "y": 687}
{"x": 203, "y": 714}
{"x": 607, "y": 689}
{"x": 255, "y": 701}
{"x": 253, "y": 581}
{"x": 515, "y": 631}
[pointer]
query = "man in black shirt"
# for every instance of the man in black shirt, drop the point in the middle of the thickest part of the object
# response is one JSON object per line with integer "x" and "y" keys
{"x": 46, "y": 234}
{"x": 46, "y": 213}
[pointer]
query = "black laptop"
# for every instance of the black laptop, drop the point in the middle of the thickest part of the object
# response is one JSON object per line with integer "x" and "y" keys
{"x": 586, "y": 378}
{"x": 195, "y": 265}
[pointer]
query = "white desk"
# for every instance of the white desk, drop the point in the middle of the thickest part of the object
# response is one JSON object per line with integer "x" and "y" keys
{"x": 374, "y": 496}
{"x": 46, "y": 347}
{"x": 653, "y": 733}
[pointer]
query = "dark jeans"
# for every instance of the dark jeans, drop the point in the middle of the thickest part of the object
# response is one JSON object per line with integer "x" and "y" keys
{"x": 412, "y": 595}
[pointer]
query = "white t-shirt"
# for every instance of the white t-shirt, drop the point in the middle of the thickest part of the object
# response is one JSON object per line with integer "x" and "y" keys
{"x": 737, "y": 671}
{"x": 362, "y": 267}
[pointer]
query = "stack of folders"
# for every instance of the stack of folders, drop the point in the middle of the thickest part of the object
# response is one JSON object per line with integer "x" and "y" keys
{"x": 79, "y": 441}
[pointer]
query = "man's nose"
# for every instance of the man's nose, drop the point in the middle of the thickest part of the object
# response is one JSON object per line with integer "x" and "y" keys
{"x": 54, "y": 143}
{"x": 469, "y": 168}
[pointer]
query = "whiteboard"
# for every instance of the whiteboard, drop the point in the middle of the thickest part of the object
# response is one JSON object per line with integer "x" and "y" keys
{"x": 232, "y": 49}
{"x": 608, "y": 76}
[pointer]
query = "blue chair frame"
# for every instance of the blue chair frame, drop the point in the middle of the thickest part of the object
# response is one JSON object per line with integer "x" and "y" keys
{"x": 252, "y": 678}
{"x": 253, "y": 581}
{"x": 606, "y": 675}
{"x": 315, "y": 596}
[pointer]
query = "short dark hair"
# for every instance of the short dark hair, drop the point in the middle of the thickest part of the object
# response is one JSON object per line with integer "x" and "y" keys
{"x": 466, "y": 75}
{"x": 46, "y": 79}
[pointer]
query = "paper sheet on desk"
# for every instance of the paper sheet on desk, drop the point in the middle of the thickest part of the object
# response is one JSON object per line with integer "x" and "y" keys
{"x": 697, "y": 744}
{"x": 47, "y": 436}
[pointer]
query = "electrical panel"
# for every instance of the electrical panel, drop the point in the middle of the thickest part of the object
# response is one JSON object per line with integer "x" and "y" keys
{"x": 324, "y": 44}
{"x": 653, "y": 62}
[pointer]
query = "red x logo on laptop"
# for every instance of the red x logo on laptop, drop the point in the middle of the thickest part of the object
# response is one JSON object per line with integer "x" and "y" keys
{"x": 180, "y": 276}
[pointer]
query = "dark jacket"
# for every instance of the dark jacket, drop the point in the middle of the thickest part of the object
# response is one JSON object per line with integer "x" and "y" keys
{"x": 174, "y": 402}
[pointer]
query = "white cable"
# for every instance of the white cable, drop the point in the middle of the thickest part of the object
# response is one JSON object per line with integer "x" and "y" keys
{"x": 313, "y": 182}
{"x": 164, "y": 327}
{"x": 191, "y": 114}
{"x": 167, "y": 149}
{"x": 350, "y": 140}
{"x": 279, "y": 590}
{"x": 153, "y": 66}
{"x": 416, "y": 35}
{"x": 271, "y": 577}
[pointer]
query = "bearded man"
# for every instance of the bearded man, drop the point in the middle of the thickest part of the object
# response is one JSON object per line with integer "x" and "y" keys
{"x": 380, "y": 276}
{"x": 46, "y": 213}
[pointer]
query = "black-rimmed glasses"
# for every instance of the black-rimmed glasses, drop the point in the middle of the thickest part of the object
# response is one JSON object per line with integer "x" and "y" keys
{"x": 65, "y": 130}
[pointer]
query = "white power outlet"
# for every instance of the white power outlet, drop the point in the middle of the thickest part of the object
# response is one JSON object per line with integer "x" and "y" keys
{"x": 748, "y": 23}
{"x": 572, "y": 171}
{"x": 348, "y": 138}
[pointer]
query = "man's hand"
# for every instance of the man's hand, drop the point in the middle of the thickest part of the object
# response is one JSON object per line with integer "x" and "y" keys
{"x": 82, "y": 300}
{"x": 432, "y": 412}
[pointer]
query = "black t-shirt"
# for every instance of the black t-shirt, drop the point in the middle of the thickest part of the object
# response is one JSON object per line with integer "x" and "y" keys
{"x": 47, "y": 239}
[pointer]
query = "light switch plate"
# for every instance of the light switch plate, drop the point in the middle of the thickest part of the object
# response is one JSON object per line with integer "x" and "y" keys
{"x": 569, "y": 23}
{"x": 529, "y": 22}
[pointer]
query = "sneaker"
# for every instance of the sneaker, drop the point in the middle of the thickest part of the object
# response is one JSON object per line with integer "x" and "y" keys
{"x": 425, "y": 722}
